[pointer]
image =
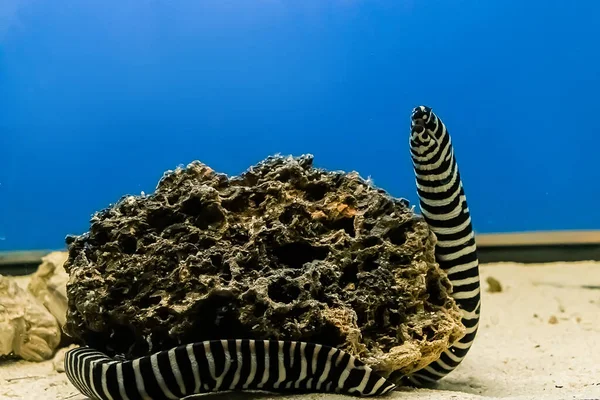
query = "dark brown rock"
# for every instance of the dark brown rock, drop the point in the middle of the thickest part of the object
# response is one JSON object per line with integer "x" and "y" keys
{"x": 284, "y": 251}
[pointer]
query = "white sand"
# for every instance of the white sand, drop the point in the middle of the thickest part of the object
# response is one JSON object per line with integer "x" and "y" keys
{"x": 518, "y": 354}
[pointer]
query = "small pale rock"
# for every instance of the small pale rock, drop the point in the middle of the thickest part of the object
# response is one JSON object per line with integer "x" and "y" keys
{"x": 27, "y": 329}
{"x": 553, "y": 320}
{"x": 494, "y": 285}
{"x": 49, "y": 285}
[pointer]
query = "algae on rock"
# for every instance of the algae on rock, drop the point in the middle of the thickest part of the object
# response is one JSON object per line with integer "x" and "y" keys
{"x": 284, "y": 251}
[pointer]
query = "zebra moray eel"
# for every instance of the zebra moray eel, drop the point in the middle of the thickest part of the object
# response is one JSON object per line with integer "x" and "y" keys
{"x": 219, "y": 365}
{"x": 292, "y": 366}
{"x": 444, "y": 207}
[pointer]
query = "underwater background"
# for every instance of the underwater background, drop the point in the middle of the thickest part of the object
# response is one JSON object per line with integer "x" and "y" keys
{"x": 99, "y": 98}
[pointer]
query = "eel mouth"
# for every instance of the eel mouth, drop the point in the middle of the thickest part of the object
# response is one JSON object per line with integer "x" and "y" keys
{"x": 421, "y": 138}
{"x": 419, "y": 132}
{"x": 418, "y": 128}
{"x": 418, "y": 121}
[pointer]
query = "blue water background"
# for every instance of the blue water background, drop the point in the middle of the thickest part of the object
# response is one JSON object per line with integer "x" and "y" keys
{"x": 98, "y": 98}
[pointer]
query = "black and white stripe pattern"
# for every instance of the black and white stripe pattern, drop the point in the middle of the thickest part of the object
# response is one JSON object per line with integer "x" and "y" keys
{"x": 221, "y": 365}
{"x": 444, "y": 208}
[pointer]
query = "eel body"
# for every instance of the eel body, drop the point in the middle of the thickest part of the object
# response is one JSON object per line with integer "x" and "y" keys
{"x": 444, "y": 207}
{"x": 222, "y": 365}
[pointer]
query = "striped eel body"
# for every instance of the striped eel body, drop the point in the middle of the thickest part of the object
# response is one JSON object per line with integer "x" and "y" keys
{"x": 444, "y": 208}
{"x": 221, "y": 365}
{"x": 291, "y": 366}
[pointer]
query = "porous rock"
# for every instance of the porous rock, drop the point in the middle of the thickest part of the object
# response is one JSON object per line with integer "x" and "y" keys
{"x": 283, "y": 251}
{"x": 27, "y": 329}
{"x": 49, "y": 285}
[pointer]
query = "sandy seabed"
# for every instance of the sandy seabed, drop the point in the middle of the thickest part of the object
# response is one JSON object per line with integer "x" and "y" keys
{"x": 539, "y": 339}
